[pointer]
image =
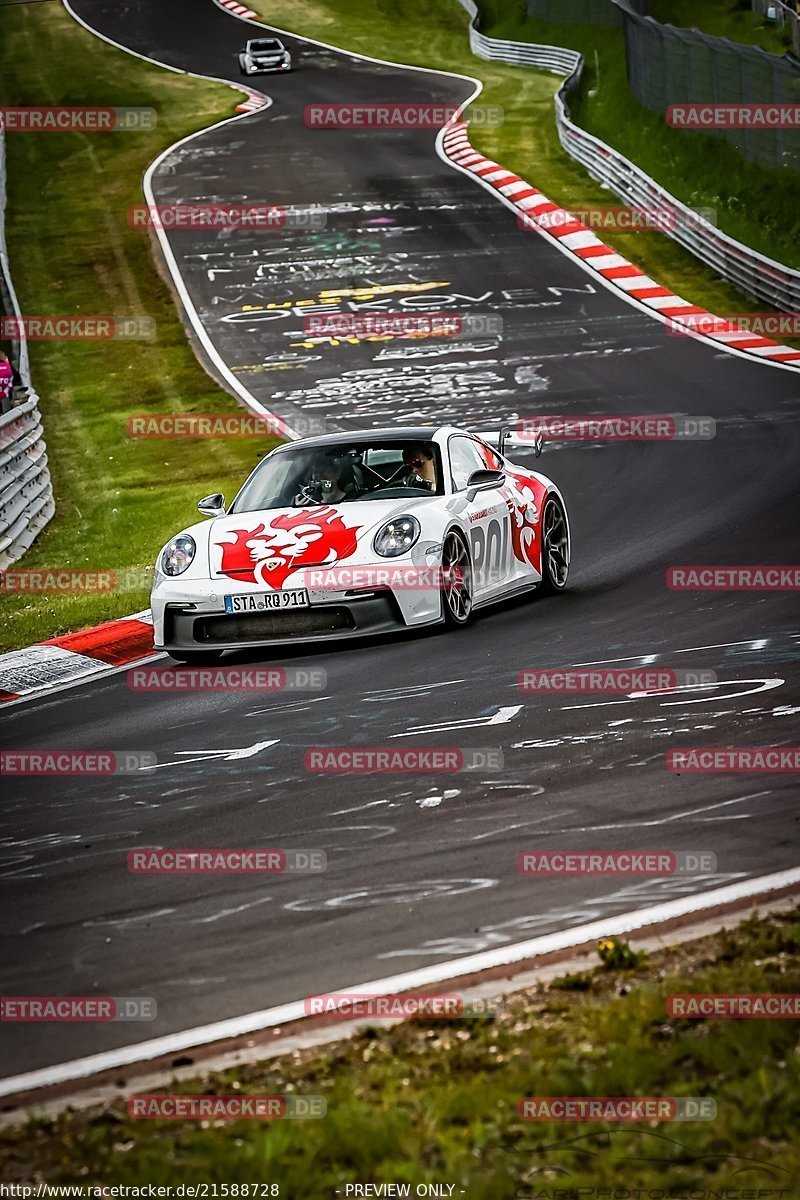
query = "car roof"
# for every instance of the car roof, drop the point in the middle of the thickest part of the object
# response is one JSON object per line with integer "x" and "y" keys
{"x": 411, "y": 433}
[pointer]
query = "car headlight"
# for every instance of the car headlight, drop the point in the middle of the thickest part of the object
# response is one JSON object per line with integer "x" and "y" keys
{"x": 396, "y": 536}
{"x": 178, "y": 554}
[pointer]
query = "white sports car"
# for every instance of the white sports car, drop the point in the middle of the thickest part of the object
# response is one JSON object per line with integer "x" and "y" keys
{"x": 360, "y": 533}
{"x": 262, "y": 56}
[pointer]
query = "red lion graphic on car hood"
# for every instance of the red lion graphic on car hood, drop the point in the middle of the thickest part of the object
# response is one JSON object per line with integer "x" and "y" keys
{"x": 271, "y": 551}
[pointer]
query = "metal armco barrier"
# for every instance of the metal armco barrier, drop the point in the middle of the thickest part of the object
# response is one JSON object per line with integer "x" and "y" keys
{"x": 524, "y": 54}
{"x": 26, "y": 492}
{"x": 754, "y": 274}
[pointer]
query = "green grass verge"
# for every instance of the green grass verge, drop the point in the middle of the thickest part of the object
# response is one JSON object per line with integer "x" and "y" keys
{"x": 758, "y": 207}
{"x": 436, "y": 1101}
{"x": 733, "y": 19}
{"x": 73, "y": 252}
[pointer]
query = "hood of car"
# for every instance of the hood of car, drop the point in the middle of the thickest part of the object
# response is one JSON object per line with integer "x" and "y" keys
{"x": 266, "y": 546}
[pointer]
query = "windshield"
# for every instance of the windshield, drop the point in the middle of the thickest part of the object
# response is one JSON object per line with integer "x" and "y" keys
{"x": 342, "y": 473}
{"x": 266, "y": 44}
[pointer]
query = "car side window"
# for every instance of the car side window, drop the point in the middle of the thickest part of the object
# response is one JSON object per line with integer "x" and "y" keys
{"x": 491, "y": 460}
{"x": 465, "y": 457}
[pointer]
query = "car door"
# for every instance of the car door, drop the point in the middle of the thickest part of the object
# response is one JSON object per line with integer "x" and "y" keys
{"x": 486, "y": 517}
{"x": 525, "y": 492}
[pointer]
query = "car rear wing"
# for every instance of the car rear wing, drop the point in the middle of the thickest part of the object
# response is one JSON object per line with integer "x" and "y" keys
{"x": 506, "y": 436}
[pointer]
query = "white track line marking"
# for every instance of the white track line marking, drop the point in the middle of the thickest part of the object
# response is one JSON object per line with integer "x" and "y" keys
{"x": 754, "y": 643}
{"x": 83, "y": 1068}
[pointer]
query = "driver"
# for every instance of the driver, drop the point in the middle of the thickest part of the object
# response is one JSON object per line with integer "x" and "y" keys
{"x": 419, "y": 467}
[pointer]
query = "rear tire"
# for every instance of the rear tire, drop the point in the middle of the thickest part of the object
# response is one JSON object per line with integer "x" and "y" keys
{"x": 456, "y": 592}
{"x": 555, "y": 548}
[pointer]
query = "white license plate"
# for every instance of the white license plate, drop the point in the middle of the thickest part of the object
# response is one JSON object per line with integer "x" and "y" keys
{"x": 260, "y": 601}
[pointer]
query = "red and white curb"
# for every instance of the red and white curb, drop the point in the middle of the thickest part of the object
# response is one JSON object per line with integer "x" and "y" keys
{"x": 684, "y": 318}
{"x": 75, "y": 657}
{"x": 239, "y": 10}
{"x": 254, "y": 101}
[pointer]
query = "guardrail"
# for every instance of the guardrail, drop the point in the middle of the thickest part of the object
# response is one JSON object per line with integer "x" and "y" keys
{"x": 26, "y": 492}
{"x": 525, "y": 54}
{"x": 754, "y": 274}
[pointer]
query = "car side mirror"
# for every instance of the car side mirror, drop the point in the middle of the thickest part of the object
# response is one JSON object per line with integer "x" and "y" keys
{"x": 484, "y": 480}
{"x": 212, "y": 506}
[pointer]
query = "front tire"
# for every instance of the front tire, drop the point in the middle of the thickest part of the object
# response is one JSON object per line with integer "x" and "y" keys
{"x": 456, "y": 580}
{"x": 195, "y": 658}
{"x": 555, "y": 548}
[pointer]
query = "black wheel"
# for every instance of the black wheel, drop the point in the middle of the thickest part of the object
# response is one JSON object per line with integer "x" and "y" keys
{"x": 555, "y": 548}
{"x": 195, "y": 658}
{"x": 456, "y": 580}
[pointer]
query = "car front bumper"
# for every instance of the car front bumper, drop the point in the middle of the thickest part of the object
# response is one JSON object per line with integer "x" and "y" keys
{"x": 263, "y": 69}
{"x": 194, "y": 618}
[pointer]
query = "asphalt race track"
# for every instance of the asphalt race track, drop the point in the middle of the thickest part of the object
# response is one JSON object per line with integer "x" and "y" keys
{"x": 421, "y": 868}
